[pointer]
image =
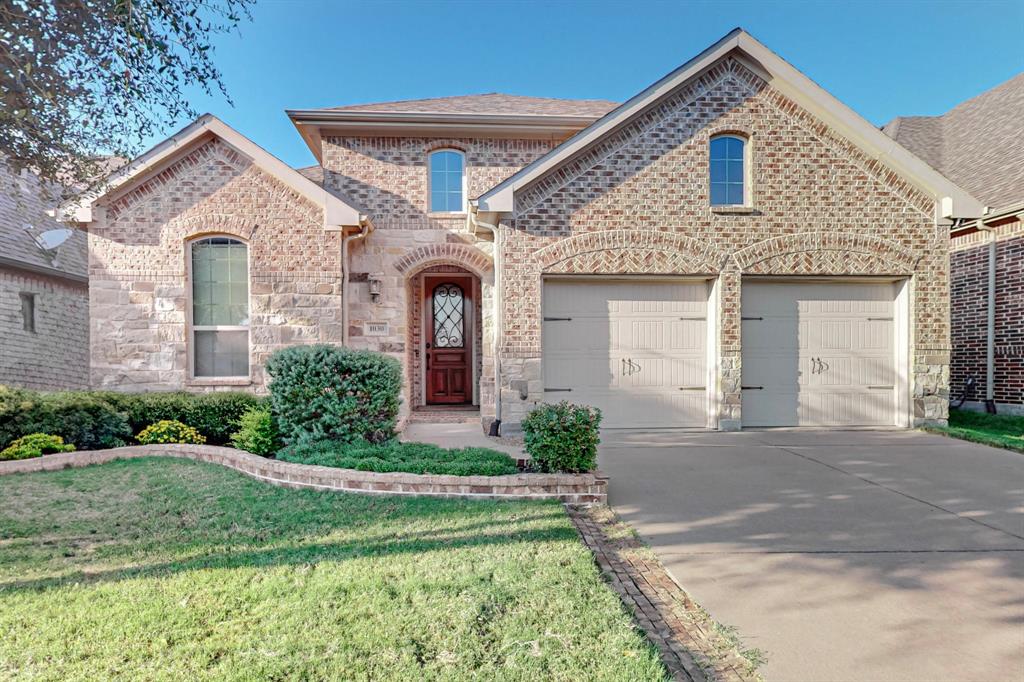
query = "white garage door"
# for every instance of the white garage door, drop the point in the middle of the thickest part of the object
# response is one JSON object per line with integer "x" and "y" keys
{"x": 818, "y": 354}
{"x": 637, "y": 350}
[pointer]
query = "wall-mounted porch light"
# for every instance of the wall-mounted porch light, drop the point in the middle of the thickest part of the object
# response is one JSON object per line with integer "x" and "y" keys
{"x": 376, "y": 286}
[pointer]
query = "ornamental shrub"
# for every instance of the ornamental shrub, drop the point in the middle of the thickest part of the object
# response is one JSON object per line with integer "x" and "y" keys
{"x": 35, "y": 445}
{"x": 257, "y": 433}
{"x": 170, "y": 431}
{"x": 80, "y": 418}
{"x": 322, "y": 392}
{"x": 563, "y": 437}
{"x": 215, "y": 415}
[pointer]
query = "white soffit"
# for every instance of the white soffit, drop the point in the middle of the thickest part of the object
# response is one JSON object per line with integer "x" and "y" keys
{"x": 782, "y": 76}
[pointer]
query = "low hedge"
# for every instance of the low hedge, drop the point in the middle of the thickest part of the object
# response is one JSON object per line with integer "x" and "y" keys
{"x": 92, "y": 420}
{"x": 322, "y": 392}
{"x": 81, "y": 419}
{"x": 413, "y": 458}
{"x": 215, "y": 415}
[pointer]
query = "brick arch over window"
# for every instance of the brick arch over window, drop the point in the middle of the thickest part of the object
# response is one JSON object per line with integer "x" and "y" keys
{"x": 630, "y": 251}
{"x": 194, "y": 226}
{"x": 826, "y": 253}
{"x": 472, "y": 259}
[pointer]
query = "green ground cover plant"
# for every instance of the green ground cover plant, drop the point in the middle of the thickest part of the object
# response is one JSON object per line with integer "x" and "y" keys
{"x": 413, "y": 458}
{"x": 999, "y": 430}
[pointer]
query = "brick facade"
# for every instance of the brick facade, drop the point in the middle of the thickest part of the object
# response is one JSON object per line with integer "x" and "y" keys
{"x": 969, "y": 310}
{"x": 637, "y": 202}
{"x": 138, "y": 260}
{"x": 56, "y": 354}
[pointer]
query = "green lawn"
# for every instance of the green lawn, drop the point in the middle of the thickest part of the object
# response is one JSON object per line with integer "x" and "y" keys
{"x": 1002, "y": 431}
{"x": 163, "y": 569}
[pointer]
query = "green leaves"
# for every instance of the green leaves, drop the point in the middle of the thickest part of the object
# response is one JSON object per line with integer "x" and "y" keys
{"x": 80, "y": 79}
{"x": 563, "y": 437}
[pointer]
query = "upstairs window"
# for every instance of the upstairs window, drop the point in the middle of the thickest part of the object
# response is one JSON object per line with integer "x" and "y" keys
{"x": 220, "y": 308}
{"x": 728, "y": 172}
{"x": 28, "y": 311}
{"x": 447, "y": 181}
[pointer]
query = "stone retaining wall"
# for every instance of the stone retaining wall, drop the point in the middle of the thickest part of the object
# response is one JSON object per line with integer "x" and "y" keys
{"x": 577, "y": 489}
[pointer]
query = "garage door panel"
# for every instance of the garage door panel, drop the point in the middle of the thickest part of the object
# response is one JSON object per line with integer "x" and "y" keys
{"x": 629, "y": 349}
{"x": 824, "y": 353}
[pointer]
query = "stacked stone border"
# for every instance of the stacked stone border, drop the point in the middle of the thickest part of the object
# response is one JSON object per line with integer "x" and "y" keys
{"x": 686, "y": 638}
{"x": 575, "y": 489}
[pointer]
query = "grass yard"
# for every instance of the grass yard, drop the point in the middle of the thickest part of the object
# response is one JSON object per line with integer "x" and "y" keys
{"x": 164, "y": 569}
{"x": 1002, "y": 431}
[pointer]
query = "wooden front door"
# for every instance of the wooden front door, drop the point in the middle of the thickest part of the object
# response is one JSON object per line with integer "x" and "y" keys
{"x": 448, "y": 348}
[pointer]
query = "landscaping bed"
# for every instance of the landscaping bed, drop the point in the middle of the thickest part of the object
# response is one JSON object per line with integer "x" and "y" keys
{"x": 157, "y": 568}
{"x": 414, "y": 458}
{"x": 1001, "y": 431}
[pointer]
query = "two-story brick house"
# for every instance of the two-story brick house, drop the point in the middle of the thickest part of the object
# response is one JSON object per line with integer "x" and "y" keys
{"x": 730, "y": 247}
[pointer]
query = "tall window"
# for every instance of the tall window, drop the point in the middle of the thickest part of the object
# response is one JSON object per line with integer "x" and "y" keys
{"x": 220, "y": 307}
{"x": 727, "y": 170}
{"x": 447, "y": 173}
{"x": 28, "y": 311}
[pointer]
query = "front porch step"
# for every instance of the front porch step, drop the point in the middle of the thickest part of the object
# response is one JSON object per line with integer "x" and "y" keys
{"x": 445, "y": 415}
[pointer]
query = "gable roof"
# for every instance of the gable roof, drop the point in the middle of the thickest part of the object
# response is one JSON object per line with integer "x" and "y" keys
{"x": 338, "y": 212}
{"x": 24, "y": 204}
{"x": 784, "y": 77}
{"x": 979, "y": 144}
{"x": 491, "y": 103}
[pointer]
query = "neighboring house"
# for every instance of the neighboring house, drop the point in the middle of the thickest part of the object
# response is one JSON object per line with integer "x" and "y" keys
{"x": 730, "y": 247}
{"x": 44, "y": 291}
{"x": 980, "y": 146}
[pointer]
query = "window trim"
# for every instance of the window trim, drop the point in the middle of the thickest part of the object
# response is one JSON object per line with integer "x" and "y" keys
{"x": 465, "y": 168}
{"x": 748, "y": 193}
{"x": 191, "y": 328}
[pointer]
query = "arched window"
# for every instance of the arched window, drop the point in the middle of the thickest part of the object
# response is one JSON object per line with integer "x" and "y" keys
{"x": 447, "y": 181}
{"x": 449, "y": 316}
{"x": 728, "y": 170}
{"x": 220, "y": 307}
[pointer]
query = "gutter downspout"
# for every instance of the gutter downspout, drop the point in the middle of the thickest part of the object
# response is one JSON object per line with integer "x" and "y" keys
{"x": 365, "y": 227}
{"x": 990, "y": 328}
{"x": 495, "y": 429}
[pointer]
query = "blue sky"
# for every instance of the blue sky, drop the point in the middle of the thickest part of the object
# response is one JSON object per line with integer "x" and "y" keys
{"x": 883, "y": 59}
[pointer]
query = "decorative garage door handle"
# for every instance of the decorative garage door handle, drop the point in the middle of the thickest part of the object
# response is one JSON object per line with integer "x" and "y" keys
{"x": 820, "y": 366}
{"x": 629, "y": 367}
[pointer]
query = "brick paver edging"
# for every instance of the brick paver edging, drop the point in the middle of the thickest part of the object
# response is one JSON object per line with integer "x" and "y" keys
{"x": 690, "y": 646}
{"x": 577, "y": 489}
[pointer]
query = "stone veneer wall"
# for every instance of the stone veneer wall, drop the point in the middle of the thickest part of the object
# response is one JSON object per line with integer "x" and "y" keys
{"x": 969, "y": 298}
{"x": 56, "y": 355}
{"x": 637, "y": 203}
{"x": 139, "y": 295}
{"x": 388, "y": 176}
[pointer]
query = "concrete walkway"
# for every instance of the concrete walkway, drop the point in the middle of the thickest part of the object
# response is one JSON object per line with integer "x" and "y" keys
{"x": 466, "y": 434}
{"x": 844, "y": 555}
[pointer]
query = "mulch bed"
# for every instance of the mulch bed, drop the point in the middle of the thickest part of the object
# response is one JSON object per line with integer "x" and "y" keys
{"x": 690, "y": 646}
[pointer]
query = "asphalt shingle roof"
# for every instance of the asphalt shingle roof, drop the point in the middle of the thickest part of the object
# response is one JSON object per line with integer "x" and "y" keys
{"x": 24, "y": 202}
{"x": 978, "y": 144}
{"x": 493, "y": 103}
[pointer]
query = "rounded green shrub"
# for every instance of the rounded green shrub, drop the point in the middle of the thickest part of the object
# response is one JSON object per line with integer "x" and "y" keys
{"x": 170, "y": 431}
{"x": 257, "y": 432}
{"x": 82, "y": 419}
{"x": 35, "y": 445}
{"x": 326, "y": 392}
{"x": 563, "y": 437}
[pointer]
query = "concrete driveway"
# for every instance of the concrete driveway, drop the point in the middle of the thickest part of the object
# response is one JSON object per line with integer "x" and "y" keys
{"x": 844, "y": 555}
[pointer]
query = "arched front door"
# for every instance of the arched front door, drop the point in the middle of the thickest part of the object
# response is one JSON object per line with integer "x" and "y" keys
{"x": 448, "y": 344}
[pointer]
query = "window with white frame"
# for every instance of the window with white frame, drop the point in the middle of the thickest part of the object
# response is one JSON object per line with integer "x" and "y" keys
{"x": 447, "y": 181}
{"x": 220, "y": 307}
{"x": 728, "y": 170}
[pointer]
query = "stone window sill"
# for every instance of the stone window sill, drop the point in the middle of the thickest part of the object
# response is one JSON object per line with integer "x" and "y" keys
{"x": 446, "y": 214}
{"x": 732, "y": 210}
{"x": 219, "y": 381}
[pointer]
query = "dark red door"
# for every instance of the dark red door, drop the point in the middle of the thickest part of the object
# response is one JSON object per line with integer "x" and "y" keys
{"x": 449, "y": 372}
